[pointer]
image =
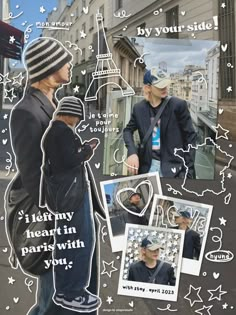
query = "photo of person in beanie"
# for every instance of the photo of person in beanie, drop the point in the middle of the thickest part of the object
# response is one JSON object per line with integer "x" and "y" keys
{"x": 67, "y": 190}
{"x": 172, "y": 129}
{"x": 150, "y": 268}
{"x": 134, "y": 206}
{"x": 48, "y": 65}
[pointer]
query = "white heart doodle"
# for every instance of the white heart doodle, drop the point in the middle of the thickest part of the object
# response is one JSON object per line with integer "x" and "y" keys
{"x": 174, "y": 170}
{"x": 216, "y": 275}
{"x": 83, "y": 72}
{"x": 221, "y": 110}
{"x": 131, "y": 304}
{"x": 224, "y": 47}
{"x": 145, "y": 182}
{"x": 16, "y": 300}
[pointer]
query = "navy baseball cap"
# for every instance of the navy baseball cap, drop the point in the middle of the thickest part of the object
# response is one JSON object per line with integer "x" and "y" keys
{"x": 157, "y": 78}
{"x": 185, "y": 214}
{"x": 151, "y": 244}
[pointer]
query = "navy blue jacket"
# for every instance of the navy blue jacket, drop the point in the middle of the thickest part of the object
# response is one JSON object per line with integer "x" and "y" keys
{"x": 176, "y": 132}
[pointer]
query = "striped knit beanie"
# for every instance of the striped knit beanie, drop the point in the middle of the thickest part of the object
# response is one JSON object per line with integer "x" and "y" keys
{"x": 44, "y": 57}
{"x": 71, "y": 105}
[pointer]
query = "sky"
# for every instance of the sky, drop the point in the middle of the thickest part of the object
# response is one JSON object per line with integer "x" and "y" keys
{"x": 176, "y": 53}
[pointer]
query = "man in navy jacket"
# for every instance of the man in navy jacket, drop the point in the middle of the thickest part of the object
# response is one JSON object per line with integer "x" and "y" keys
{"x": 173, "y": 130}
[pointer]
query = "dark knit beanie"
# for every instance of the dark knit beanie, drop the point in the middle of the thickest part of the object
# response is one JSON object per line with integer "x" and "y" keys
{"x": 44, "y": 57}
{"x": 71, "y": 105}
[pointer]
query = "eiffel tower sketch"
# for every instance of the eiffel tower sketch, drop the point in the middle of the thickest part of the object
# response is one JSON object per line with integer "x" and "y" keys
{"x": 105, "y": 69}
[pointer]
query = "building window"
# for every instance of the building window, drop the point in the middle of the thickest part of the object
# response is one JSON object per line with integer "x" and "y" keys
{"x": 71, "y": 38}
{"x": 226, "y": 35}
{"x": 119, "y": 4}
{"x": 83, "y": 55}
{"x": 84, "y": 27}
{"x": 77, "y": 57}
{"x": 200, "y": 98}
{"x": 77, "y": 12}
{"x": 77, "y": 79}
{"x": 83, "y": 4}
{"x": 172, "y": 20}
{"x": 77, "y": 36}
{"x": 91, "y": 23}
{"x": 101, "y": 11}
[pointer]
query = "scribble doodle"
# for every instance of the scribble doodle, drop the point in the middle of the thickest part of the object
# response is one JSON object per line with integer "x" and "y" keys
{"x": 168, "y": 308}
{"x": 103, "y": 233}
{"x": 140, "y": 59}
{"x": 175, "y": 192}
{"x": 27, "y": 32}
{"x": 10, "y": 16}
{"x": 74, "y": 46}
{"x": 122, "y": 160}
{"x": 121, "y": 14}
{"x": 29, "y": 284}
{"x": 202, "y": 79}
{"x": 9, "y": 160}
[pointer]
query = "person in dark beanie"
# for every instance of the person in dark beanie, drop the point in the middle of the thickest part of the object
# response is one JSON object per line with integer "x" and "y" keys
{"x": 164, "y": 124}
{"x": 66, "y": 190}
{"x": 134, "y": 202}
{"x": 48, "y": 65}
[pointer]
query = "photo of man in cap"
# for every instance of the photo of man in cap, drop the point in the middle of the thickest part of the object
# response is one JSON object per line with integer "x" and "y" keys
{"x": 150, "y": 268}
{"x": 135, "y": 200}
{"x": 192, "y": 242}
{"x": 66, "y": 189}
{"x": 172, "y": 129}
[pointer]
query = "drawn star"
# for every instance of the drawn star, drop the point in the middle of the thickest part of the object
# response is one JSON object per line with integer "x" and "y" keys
{"x": 136, "y": 245}
{"x": 82, "y": 34}
{"x": 169, "y": 244}
{"x": 230, "y": 175}
{"x": 111, "y": 267}
{"x": 154, "y": 233}
{"x": 18, "y": 79}
{"x": 176, "y": 237}
{"x": 5, "y": 116}
{"x": 76, "y": 89}
{"x": 146, "y": 233}
{"x": 12, "y": 40}
{"x": 173, "y": 265}
{"x": 163, "y": 241}
{"x": 131, "y": 231}
{"x": 4, "y": 79}
{"x": 42, "y": 9}
{"x": 175, "y": 250}
{"x": 9, "y": 94}
{"x": 170, "y": 236}
{"x": 221, "y": 129}
{"x": 196, "y": 295}
{"x": 162, "y": 256}
{"x": 225, "y": 306}
{"x": 11, "y": 280}
{"x": 109, "y": 300}
{"x": 218, "y": 295}
{"x": 136, "y": 252}
{"x": 171, "y": 258}
{"x": 161, "y": 235}
{"x": 201, "y": 311}
{"x": 222, "y": 221}
{"x": 223, "y": 5}
{"x": 229, "y": 89}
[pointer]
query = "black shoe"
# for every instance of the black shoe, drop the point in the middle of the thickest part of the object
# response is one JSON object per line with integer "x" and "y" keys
{"x": 85, "y": 302}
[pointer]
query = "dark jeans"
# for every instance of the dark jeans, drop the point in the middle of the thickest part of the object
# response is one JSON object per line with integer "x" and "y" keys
{"x": 69, "y": 282}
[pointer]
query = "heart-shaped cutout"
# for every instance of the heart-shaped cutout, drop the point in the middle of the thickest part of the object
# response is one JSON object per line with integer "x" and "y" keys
{"x": 134, "y": 190}
{"x": 221, "y": 110}
{"x": 97, "y": 165}
{"x": 83, "y": 72}
{"x": 5, "y": 250}
{"x": 183, "y": 13}
{"x": 173, "y": 170}
{"x": 224, "y": 47}
{"x": 131, "y": 304}
{"x": 4, "y": 141}
{"x": 216, "y": 275}
{"x": 16, "y": 300}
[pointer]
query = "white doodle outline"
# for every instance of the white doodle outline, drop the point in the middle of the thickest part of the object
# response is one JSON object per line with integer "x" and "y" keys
{"x": 190, "y": 146}
{"x": 227, "y": 198}
{"x": 76, "y": 47}
{"x": 11, "y": 98}
{"x": 122, "y": 14}
{"x": 10, "y": 16}
{"x": 191, "y": 287}
{"x": 140, "y": 59}
{"x": 27, "y": 30}
{"x": 168, "y": 308}
{"x": 208, "y": 308}
{"x": 109, "y": 273}
{"x": 122, "y": 160}
{"x": 202, "y": 79}
{"x": 150, "y": 195}
{"x": 103, "y": 233}
{"x": 175, "y": 191}
{"x": 29, "y": 284}
{"x": 8, "y": 167}
{"x": 20, "y": 79}
{"x": 218, "y": 239}
{"x": 226, "y": 131}
{"x": 212, "y": 297}
{"x": 98, "y": 74}
{"x": 5, "y": 79}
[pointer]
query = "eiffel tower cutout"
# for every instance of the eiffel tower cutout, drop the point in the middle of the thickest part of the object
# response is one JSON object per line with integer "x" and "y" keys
{"x": 101, "y": 73}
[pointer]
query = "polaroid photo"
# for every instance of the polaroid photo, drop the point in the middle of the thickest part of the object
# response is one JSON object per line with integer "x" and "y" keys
{"x": 151, "y": 262}
{"x": 191, "y": 217}
{"x": 128, "y": 200}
